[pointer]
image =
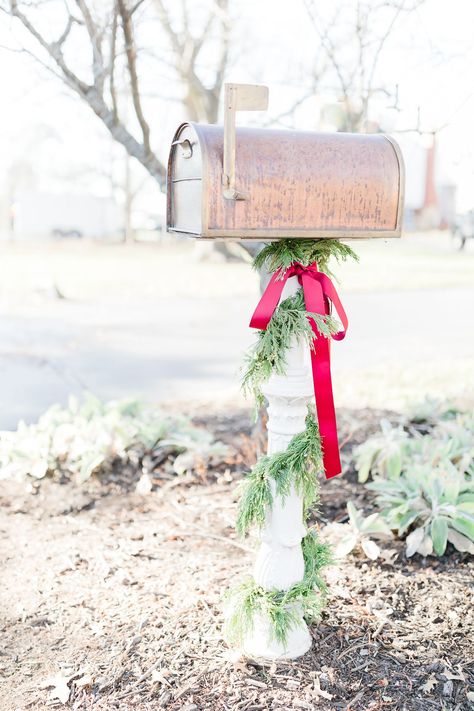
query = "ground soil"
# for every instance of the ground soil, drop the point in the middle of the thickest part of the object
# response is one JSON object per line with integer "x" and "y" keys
{"x": 111, "y": 600}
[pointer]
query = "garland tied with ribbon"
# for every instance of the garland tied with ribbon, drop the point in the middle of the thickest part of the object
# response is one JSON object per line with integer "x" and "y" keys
{"x": 306, "y": 316}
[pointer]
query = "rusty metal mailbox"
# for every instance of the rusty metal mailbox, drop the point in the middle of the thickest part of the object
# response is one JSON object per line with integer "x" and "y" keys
{"x": 265, "y": 184}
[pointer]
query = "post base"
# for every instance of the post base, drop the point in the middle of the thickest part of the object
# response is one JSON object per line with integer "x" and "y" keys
{"x": 260, "y": 644}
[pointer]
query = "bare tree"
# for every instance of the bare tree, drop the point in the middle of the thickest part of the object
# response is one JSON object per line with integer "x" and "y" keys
{"x": 351, "y": 45}
{"x": 110, "y": 32}
{"x": 202, "y": 103}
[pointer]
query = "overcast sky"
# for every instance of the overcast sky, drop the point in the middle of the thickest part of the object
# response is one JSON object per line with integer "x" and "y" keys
{"x": 430, "y": 57}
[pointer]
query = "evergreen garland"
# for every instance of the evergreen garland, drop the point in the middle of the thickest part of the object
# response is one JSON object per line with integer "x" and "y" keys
{"x": 283, "y": 608}
{"x": 285, "y": 252}
{"x": 298, "y": 465}
{"x": 268, "y": 355}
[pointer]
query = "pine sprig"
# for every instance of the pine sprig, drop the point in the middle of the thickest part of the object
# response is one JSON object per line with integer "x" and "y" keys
{"x": 255, "y": 497}
{"x": 297, "y": 466}
{"x": 283, "y": 253}
{"x": 283, "y": 608}
{"x": 316, "y": 556}
{"x": 268, "y": 355}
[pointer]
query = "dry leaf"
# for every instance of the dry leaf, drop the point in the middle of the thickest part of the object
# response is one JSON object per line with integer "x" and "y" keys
{"x": 60, "y": 684}
{"x": 429, "y": 684}
{"x": 389, "y": 555}
{"x": 158, "y": 676}
{"x": 320, "y": 692}
{"x": 449, "y": 674}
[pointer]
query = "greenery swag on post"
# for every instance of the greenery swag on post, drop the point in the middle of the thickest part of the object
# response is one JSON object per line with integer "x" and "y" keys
{"x": 299, "y": 465}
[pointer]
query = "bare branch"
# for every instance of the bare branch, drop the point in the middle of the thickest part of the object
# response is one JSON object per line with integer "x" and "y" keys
{"x": 113, "y": 55}
{"x": 202, "y": 102}
{"x": 54, "y": 49}
{"x": 131, "y": 52}
{"x": 92, "y": 94}
{"x": 95, "y": 36}
{"x": 167, "y": 26}
{"x": 356, "y": 79}
{"x": 135, "y": 7}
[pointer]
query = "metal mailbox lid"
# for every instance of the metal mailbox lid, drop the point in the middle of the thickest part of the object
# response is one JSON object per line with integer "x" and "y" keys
{"x": 297, "y": 184}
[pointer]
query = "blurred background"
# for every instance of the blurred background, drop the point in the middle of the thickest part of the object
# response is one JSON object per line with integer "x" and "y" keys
{"x": 117, "y": 505}
{"x": 95, "y": 296}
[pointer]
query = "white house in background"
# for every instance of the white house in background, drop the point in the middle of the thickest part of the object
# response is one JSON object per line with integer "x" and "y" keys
{"x": 38, "y": 215}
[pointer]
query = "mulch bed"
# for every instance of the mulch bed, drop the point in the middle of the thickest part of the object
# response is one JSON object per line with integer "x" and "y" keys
{"x": 112, "y": 600}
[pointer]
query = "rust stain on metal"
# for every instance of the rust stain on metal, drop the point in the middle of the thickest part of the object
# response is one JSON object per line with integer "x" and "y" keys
{"x": 295, "y": 183}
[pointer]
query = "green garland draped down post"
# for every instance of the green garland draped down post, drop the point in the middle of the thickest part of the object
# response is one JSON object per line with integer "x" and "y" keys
{"x": 299, "y": 465}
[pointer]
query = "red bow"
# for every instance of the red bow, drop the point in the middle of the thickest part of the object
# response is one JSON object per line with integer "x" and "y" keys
{"x": 318, "y": 292}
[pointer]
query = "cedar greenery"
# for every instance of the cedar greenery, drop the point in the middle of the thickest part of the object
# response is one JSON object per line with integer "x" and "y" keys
{"x": 283, "y": 607}
{"x": 289, "y": 321}
{"x": 298, "y": 465}
{"x": 285, "y": 252}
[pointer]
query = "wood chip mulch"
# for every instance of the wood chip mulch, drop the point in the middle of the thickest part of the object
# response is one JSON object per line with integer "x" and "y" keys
{"x": 112, "y": 600}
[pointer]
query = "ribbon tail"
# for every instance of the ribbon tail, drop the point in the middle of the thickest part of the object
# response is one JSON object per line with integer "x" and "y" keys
{"x": 321, "y": 366}
{"x": 316, "y": 302}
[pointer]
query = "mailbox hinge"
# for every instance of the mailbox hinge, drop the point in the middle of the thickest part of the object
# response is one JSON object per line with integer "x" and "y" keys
{"x": 238, "y": 97}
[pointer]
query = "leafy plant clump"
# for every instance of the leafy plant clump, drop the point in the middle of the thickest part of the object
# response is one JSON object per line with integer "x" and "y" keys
{"x": 290, "y": 322}
{"x": 282, "y": 608}
{"x": 382, "y": 454}
{"x": 437, "y": 504}
{"x": 283, "y": 253}
{"x": 83, "y": 437}
{"x": 358, "y": 532}
{"x": 275, "y": 474}
{"x": 425, "y": 482}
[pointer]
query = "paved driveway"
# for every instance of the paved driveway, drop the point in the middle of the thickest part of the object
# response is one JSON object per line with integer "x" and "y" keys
{"x": 187, "y": 343}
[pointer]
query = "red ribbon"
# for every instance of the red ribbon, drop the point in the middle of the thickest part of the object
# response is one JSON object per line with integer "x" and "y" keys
{"x": 319, "y": 293}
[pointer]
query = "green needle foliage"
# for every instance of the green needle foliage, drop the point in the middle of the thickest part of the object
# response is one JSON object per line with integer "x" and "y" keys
{"x": 316, "y": 556}
{"x": 285, "y": 252}
{"x": 289, "y": 321}
{"x": 283, "y": 608}
{"x": 298, "y": 465}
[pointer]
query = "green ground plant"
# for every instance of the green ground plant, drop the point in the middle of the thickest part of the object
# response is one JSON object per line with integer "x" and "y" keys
{"x": 435, "y": 504}
{"x": 359, "y": 532}
{"x": 425, "y": 482}
{"x": 80, "y": 439}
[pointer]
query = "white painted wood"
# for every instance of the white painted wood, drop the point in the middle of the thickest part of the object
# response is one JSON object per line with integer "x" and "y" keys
{"x": 279, "y": 564}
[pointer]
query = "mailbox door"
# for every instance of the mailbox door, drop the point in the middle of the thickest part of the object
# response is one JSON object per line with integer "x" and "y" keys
{"x": 184, "y": 183}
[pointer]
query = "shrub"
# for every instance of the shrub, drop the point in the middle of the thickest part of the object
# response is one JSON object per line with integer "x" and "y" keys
{"x": 436, "y": 503}
{"x": 424, "y": 482}
{"x": 81, "y": 438}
